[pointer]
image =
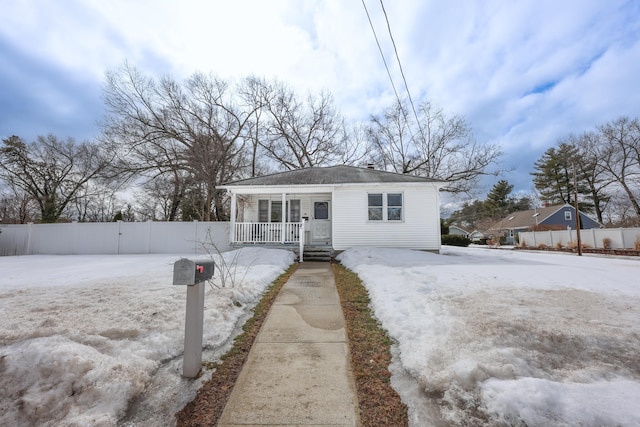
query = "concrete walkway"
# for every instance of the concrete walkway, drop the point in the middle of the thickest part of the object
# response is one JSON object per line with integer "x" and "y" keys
{"x": 298, "y": 371}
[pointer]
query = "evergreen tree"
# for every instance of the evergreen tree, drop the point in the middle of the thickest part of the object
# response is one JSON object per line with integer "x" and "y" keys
{"x": 444, "y": 226}
{"x": 499, "y": 200}
{"x": 554, "y": 176}
{"x": 470, "y": 214}
{"x": 498, "y": 204}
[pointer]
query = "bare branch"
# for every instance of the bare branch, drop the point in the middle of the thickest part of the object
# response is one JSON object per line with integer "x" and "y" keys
{"x": 441, "y": 147}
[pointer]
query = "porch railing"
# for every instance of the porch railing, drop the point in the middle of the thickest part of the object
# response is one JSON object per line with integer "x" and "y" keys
{"x": 268, "y": 232}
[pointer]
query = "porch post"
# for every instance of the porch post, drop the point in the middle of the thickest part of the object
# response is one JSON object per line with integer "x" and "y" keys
{"x": 301, "y": 258}
{"x": 232, "y": 231}
{"x": 284, "y": 216}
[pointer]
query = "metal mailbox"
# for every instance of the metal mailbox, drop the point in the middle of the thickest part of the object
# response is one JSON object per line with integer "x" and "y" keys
{"x": 204, "y": 271}
{"x": 188, "y": 272}
{"x": 193, "y": 274}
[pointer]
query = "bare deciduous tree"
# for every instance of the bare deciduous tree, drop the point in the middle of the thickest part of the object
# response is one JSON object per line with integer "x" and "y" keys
{"x": 255, "y": 93}
{"x": 355, "y": 146}
{"x": 619, "y": 156}
{"x": 301, "y": 133}
{"x": 16, "y": 206}
{"x": 51, "y": 171}
{"x": 97, "y": 203}
{"x": 165, "y": 127}
{"x": 435, "y": 146}
{"x": 592, "y": 174}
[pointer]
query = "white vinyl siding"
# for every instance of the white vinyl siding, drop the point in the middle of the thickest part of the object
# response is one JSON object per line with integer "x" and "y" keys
{"x": 419, "y": 228}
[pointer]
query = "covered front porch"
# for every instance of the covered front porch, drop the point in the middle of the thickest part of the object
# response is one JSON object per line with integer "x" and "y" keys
{"x": 280, "y": 217}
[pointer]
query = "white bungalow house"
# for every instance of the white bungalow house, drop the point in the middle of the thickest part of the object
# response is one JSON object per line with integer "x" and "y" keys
{"x": 337, "y": 207}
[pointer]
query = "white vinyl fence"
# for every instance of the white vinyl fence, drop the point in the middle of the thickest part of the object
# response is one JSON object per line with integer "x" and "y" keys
{"x": 621, "y": 238}
{"x": 114, "y": 238}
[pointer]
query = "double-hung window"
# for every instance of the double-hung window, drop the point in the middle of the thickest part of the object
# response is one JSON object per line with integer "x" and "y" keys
{"x": 263, "y": 211}
{"x": 394, "y": 207}
{"x": 385, "y": 206}
{"x": 271, "y": 210}
{"x": 375, "y": 207}
{"x": 293, "y": 213}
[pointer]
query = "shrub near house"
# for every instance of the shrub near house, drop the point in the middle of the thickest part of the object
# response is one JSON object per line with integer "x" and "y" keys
{"x": 455, "y": 240}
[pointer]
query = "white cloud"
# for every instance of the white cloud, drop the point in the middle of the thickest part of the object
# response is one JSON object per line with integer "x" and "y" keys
{"x": 522, "y": 73}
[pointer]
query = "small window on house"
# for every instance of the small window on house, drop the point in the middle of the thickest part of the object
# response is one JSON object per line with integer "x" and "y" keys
{"x": 263, "y": 211}
{"x": 375, "y": 207}
{"x": 294, "y": 207}
{"x": 276, "y": 211}
{"x": 321, "y": 210}
{"x": 567, "y": 215}
{"x": 394, "y": 207}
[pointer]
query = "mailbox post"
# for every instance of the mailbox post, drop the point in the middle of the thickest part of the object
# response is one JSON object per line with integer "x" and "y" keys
{"x": 193, "y": 274}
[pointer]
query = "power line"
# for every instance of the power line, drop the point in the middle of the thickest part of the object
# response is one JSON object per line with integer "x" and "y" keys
{"x": 406, "y": 86}
{"x": 395, "y": 91}
{"x": 381, "y": 53}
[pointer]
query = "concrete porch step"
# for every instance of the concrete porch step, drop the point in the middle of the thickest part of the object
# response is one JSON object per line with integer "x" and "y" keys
{"x": 318, "y": 253}
{"x": 323, "y": 253}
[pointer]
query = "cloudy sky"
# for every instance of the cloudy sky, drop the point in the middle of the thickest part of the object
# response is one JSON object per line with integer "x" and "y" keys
{"x": 523, "y": 73}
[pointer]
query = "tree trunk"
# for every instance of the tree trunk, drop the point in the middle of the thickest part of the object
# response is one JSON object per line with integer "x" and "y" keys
{"x": 632, "y": 198}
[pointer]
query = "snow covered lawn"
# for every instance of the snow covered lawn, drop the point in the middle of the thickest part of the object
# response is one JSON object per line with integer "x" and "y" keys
{"x": 496, "y": 337}
{"x": 98, "y": 340}
{"x": 484, "y": 336}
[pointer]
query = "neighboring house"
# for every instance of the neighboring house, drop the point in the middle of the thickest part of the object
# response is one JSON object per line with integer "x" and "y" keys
{"x": 458, "y": 231}
{"x": 556, "y": 217}
{"x": 338, "y": 206}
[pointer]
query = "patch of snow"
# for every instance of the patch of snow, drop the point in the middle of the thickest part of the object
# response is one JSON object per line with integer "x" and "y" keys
{"x": 538, "y": 402}
{"x": 98, "y": 339}
{"x": 472, "y": 325}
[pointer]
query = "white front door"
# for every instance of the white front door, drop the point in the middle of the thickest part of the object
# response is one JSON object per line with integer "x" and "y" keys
{"x": 320, "y": 222}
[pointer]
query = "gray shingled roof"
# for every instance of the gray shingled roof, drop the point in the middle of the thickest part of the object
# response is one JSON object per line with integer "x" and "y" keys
{"x": 522, "y": 219}
{"x": 327, "y": 176}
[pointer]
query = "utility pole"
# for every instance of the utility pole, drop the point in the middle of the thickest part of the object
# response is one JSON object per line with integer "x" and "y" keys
{"x": 575, "y": 202}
